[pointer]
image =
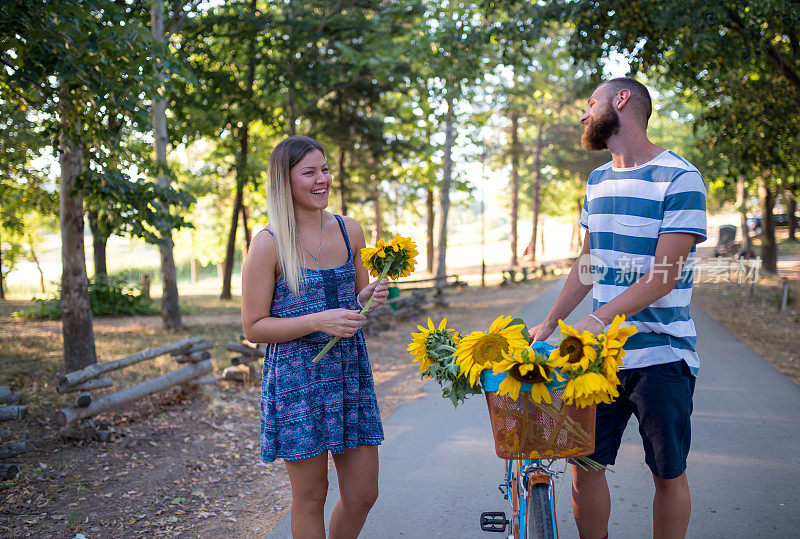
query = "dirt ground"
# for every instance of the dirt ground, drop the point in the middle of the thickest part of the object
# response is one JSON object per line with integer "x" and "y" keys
{"x": 178, "y": 465}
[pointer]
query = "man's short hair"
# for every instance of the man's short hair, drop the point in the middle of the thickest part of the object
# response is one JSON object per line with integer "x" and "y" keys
{"x": 640, "y": 97}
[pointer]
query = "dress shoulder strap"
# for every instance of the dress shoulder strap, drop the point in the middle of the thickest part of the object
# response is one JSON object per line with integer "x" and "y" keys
{"x": 344, "y": 233}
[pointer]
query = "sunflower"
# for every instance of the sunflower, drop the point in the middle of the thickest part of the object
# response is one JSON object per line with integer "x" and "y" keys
{"x": 394, "y": 259}
{"x": 577, "y": 350}
{"x": 369, "y": 253}
{"x": 588, "y": 389}
{"x": 525, "y": 366}
{"x": 427, "y": 339}
{"x": 615, "y": 337}
{"x": 478, "y": 350}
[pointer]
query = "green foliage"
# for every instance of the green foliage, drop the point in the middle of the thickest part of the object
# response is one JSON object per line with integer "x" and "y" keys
{"x": 107, "y": 296}
{"x": 440, "y": 348}
{"x": 739, "y": 60}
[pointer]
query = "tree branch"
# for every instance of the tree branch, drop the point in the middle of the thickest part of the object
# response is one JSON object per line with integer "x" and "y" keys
{"x": 178, "y": 18}
{"x": 335, "y": 89}
{"x": 771, "y": 52}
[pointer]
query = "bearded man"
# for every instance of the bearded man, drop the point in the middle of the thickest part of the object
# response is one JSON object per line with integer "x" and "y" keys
{"x": 643, "y": 212}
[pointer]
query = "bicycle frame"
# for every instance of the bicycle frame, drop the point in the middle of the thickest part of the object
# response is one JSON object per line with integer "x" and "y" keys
{"x": 519, "y": 475}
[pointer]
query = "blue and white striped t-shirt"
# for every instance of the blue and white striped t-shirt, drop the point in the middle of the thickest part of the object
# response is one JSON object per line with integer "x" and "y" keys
{"x": 625, "y": 210}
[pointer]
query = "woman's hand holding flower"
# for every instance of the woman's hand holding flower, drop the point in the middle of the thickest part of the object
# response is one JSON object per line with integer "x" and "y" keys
{"x": 381, "y": 291}
{"x": 339, "y": 322}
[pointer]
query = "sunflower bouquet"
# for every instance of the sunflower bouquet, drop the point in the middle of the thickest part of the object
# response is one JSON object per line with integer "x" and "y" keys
{"x": 393, "y": 259}
{"x": 433, "y": 348}
{"x": 541, "y": 399}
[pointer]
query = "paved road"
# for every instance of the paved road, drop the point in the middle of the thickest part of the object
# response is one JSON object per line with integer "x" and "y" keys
{"x": 439, "y": 470}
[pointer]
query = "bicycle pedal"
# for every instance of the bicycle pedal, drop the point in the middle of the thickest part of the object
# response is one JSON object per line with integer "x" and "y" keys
{"x": 494, "y": 521}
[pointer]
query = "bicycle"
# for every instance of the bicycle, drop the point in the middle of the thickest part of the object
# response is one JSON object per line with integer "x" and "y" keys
{"x": 530, "y": 440}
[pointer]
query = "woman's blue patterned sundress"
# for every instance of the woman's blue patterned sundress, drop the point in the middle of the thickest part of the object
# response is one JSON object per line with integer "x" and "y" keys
{"x": 308, "y": 408}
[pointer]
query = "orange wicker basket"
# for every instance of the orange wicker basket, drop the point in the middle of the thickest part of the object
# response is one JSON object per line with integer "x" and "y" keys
{"x": 523, "y": 430}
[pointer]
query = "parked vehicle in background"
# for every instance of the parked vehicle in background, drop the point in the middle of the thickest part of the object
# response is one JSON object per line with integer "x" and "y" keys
{"x": 726, "y": 241}
{"x": 778, "y": 219}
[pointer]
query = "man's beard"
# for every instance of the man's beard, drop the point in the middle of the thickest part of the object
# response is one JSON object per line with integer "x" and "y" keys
{"x": 599, "y": 130}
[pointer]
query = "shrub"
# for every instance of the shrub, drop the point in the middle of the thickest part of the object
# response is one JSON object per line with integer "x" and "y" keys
{"x": 107, "y": 295}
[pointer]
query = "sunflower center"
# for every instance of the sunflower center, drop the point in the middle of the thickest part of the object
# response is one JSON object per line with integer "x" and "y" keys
{"x": 490, "y": 348}
{"x": 573, "y": 348}
{"x": 533, "y": 377}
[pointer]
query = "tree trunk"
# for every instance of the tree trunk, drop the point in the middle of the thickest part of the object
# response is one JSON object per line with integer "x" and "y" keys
{"x": 241, "y": 165}
{"x": 791, "y": 209}
{"x": 76, "y": 312}
{"x": 342, "y": 181}
{"x": 170, "y": 301}
{"x": 194, "y": 270}
{"x": 246, "y": 228}
{"x": 444, "y": 198}
{"x": 536, "y": 187}
{"x": 227, "y": 272}
{"x": 575, "y": 244}
{"x": 248, "y": 237}
{"x": 376, "y": 193}
{"x": 514, "y": 185}
{"x": 747, "y": 244}
{"x": 429, "y": 247}
{"x": 36, "y": 261}
{"x": 769, "y": 248}
{"x": 98, "y": 244}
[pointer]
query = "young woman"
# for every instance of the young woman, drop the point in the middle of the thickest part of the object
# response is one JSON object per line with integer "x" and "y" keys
{"x": 302, "y": 283}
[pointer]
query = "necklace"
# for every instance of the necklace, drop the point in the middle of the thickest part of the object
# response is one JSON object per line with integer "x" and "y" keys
{"x": 316, "y": 258}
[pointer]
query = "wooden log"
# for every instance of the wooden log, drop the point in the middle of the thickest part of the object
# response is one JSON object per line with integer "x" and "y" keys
{"x": 81, "y": 430}
{"x": 193, "y": 384}
{"x": 92, "y": 371}
{"x": 84, "y": 399}
{"x": 242, "y": 349}
{"x": 124, "y": 396}
{"x": 12, "y": 412}
{"x": 5, "y": 394}
{"x": 194, "y": 348}
{"x": 97, "y": 383}
{"x": 12, "y": 450}
{"x": 784, "y": 294}
{"x": 244, "y": 360}
{"x": 242, "y": 373}
{"x": 194, "y": 357}
{"x": 5, "y": 435}
{"x": 8, "y": 472}
{"x": 202, "y": 380}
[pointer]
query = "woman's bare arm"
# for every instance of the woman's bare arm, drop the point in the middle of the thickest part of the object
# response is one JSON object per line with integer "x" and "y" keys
{"x": 258, "y": 287}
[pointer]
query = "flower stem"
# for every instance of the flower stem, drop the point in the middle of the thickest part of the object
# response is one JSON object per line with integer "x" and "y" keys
{"x": 334, "y": 340}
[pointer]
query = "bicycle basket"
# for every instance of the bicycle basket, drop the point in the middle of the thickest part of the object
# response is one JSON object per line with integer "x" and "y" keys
{"x": 523, "y": 429}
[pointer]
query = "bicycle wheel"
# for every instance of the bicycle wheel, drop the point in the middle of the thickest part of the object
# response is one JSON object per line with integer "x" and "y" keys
{"x": 539, "y": 518}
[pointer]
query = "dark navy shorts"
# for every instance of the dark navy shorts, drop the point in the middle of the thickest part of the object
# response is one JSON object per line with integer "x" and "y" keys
{"x": 660, "y": 396}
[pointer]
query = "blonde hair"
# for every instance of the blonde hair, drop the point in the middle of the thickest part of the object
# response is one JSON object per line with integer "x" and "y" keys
{"x": 280, "y": 207}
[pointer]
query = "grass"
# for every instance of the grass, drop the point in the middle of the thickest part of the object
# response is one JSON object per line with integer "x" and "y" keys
{"x": 757, "y": 320}
{"x": 787, "y": 247}
{"x": 31, "y": 351}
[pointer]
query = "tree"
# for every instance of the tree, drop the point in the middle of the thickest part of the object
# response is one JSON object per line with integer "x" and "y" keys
{"x": 22, "y": 185}
{"x": 729, "y": 56}
{"x": 65, "y": 64}
{"x": 456, "y": 56}
{"x": 545, "y": 82}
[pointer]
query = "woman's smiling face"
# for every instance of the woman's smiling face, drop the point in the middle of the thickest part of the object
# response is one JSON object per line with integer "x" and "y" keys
{"x": 311, "y": 181}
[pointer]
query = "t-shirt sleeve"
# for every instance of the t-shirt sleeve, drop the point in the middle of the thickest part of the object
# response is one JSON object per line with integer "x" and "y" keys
{"x": 685, "y": 206}
{"x": 584, "y": 222}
